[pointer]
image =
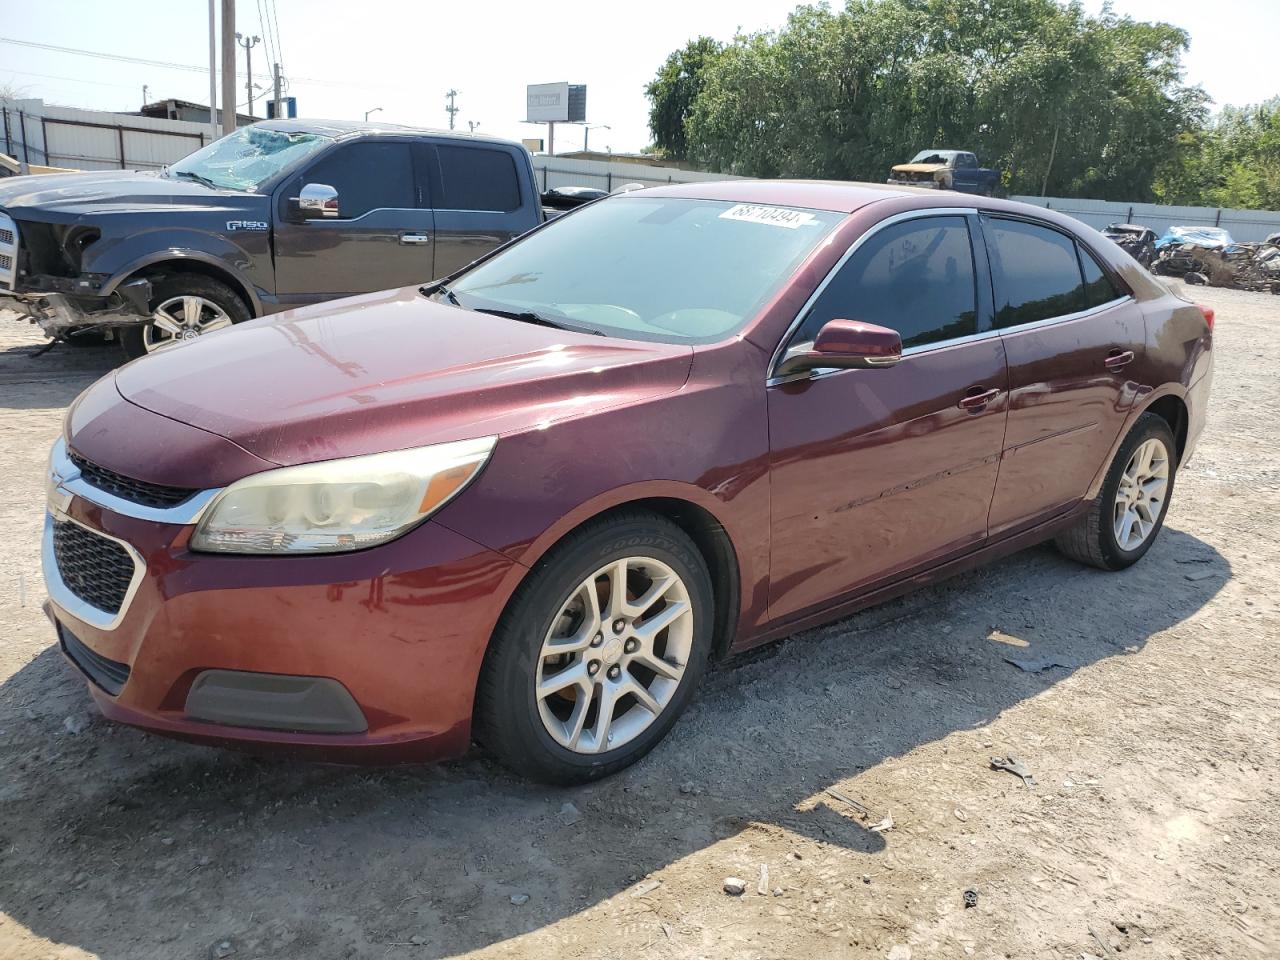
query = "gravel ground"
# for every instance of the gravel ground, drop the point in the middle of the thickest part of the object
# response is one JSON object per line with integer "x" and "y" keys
{"x": 1152, "y": 831}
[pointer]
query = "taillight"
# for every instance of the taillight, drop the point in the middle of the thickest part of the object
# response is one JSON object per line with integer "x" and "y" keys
{"x": 1208, "y": 314}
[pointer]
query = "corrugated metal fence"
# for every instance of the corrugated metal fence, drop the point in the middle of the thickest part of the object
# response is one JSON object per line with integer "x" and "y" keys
{"x": 1243, "y": 225}
{"x": 609, "y": 175}
{"x": 36, "y": 132}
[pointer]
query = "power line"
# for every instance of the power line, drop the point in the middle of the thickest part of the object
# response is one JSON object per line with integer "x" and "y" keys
{"x": 273, "y": 13}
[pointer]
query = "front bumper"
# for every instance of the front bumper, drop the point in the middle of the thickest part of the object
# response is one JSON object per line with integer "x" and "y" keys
{"x": 364, "y": 657}
{"x": 904, "y": 182}
{"x": 59, "y": 313}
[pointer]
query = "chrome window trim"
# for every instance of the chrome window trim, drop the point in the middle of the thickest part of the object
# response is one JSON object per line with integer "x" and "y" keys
{"x": 821, "y": 372}
{"x": 65, "y": 478}
{"x": 60, "y": 594}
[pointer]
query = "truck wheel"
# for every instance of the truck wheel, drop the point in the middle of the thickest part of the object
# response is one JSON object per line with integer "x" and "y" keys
{"x": 185, "y": 306}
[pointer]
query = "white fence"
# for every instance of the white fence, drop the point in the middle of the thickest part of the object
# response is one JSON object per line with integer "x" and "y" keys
{"x": 36, "y": 132}
{"x": 606, "y": 175}
{"x": 1243, "y": 225}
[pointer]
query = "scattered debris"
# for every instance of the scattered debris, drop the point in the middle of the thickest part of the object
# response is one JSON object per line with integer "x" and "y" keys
{"x": 1016, "y": 767}
{"x": 1208, "y": 255}
{"x": 970, "y": 898}
{"x": 646, "y": 886}
{"x": 777, "y": 891}
{"x": 1136, "y": 240}
{"x": 762, "y": 885}
{"x": 1041, "y": 664}
{"x": 961, "y": 815}
{"x": 1199, "y": 575}
{"x": 862, "y": 809}
{"x": 734, "y": 887}
{"x": 167, "y": 841}
{"x": 418, "y": 940}
{"x": 75, "y": 724}
{"x": 690, "y": 787}
{"x": 569, "y": 814}
{"x": 866, "y": 878}
{"x": 519, "y": 899}
{"x": 1106, "y": 947}
{"x": 221, "y": 949}
{"x": 884, "y": 825}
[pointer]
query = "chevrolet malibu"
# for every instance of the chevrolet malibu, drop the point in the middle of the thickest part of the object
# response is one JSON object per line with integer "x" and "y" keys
{"x": 529, "y": 504}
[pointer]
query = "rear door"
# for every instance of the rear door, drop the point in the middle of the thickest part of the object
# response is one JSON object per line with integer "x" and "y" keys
{"x": 880, "y": 471}
{"x": 481, "y": 200}
{"x": 1072, "y": 335}
{"x": 382, "y": 237}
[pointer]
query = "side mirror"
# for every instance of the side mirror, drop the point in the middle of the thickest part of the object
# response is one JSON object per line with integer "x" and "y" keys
{"x": 842, "y": 345}
{"x": 315, "y": 201}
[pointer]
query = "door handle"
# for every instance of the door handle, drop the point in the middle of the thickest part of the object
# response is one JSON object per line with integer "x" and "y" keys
{"x": 412, "y": 238}
{"x": 1118, "y": 359}
{"x": 976, "y": 401}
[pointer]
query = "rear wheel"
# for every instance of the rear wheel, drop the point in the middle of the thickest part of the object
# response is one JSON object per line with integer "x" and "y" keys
{"x": 598, "y": 653}
{"x": 1126, "y": 517}
{"x": 185, "y": 306}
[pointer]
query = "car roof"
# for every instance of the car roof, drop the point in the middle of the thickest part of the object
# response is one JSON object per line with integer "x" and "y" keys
{"x": 837, "y": 196}
{"x": 340, "y": 129}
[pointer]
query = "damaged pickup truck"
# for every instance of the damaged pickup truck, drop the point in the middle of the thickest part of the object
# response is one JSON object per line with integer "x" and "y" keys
{"x": 946, "y": 170}
{"x": 276, "y": 215}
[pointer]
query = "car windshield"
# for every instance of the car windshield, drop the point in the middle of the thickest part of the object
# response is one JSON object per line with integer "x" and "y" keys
{"x": 931, "y": 156}
{"x": 649, "y": 268}
{"x": 246, "y": 158}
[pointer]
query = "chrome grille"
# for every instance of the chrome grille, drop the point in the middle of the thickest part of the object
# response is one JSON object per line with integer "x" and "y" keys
{"x": 127, "y": 488}
{"x": 8, "y": 252}
{"x": 94, "y": 568}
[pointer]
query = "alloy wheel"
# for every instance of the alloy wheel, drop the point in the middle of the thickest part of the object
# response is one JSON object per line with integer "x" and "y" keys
{"x": 183, "y": 318}
{"x": 1141, "y": 494}
{"x": 614, "y": 655}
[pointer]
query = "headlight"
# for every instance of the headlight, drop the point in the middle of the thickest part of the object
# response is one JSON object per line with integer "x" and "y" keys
{"x": 339, "y": 505}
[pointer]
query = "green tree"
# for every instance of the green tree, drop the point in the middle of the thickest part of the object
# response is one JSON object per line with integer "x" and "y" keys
{"x": 672, "y": 93}
{"x": 1234, "y": 161}
{"x": 1061, "y": 102}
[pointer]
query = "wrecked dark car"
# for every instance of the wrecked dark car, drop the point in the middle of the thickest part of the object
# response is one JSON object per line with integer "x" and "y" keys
{"x": 276, "y": 215}
{"x": 1136, "y": 240}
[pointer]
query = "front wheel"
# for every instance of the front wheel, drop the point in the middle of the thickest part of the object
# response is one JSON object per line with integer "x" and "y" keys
{"x": 184, "y": 306}
{"x": 1126, "y": 517}
{"x": 599, "y": 651}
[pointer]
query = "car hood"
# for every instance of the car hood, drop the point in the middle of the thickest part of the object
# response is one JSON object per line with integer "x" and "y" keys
{"x": 391, "y": 370}
{"x": 919, "y": 167}
{"x": 64, "y": 195}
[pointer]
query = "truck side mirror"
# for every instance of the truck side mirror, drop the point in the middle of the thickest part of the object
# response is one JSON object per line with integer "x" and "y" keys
{"x": 316, "y": 201}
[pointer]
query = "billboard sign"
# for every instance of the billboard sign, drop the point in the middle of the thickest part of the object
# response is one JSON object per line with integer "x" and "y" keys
{"x": 556, "y": 103}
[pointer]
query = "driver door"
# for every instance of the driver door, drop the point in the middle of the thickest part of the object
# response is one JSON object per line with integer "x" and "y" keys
{"x": 383, "y": 236}
{"x": 880, "y": 472}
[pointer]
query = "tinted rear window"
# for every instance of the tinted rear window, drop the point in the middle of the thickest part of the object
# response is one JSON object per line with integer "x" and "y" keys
{"x": 477, "y": 179}
{"x": 914, "y": 277}
{"x": 1035, "y": 272}
{"x": 1098, "y": 288}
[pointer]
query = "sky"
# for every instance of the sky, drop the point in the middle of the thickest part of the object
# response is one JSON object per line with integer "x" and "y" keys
{"x": 343, "y": 58}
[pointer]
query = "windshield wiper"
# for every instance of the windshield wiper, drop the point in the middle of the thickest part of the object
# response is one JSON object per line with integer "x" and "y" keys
{"x": 200, "y": 178}
{"x": 528, "y": 316}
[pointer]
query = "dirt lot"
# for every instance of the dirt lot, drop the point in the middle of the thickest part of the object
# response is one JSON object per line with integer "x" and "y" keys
{"x": 1153, "y": 830}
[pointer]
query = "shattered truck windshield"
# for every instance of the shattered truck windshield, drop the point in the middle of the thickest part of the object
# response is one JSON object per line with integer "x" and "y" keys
{"x": 246, "y": 158}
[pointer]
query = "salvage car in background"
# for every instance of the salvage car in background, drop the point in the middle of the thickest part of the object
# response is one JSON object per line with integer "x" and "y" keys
{"x": 532, "y": 501}
{"x": 1137, "y": 241}
{"x": 946, "y": 170}
{"x": 276, "y": 215}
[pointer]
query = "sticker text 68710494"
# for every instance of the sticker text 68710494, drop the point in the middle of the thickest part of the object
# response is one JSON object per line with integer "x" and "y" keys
{"x": 772, "y": 216}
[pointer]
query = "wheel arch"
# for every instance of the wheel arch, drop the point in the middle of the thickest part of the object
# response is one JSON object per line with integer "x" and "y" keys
{"x": 1166, "y": 402}
{"x": 697, "y": 520}
{"x": 191, "y": 261}
{"x": 1173, "y": 410}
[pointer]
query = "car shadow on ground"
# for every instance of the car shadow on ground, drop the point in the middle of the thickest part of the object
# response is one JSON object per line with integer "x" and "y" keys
{"x": 30, "y": 382}
{"x": 131, "y": 846}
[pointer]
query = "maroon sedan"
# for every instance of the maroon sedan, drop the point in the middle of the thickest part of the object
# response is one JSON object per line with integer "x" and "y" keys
{"x": 530, "y": 504}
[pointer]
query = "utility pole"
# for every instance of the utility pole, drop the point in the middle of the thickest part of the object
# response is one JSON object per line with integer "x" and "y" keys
{"x": 228, "y": 67}
{"x": 452, "y": 109}
{"x": 472, "y": 124}
{"x": 278, "y": 100}
{"x": 213, "y": 75}
{"x": 248, "y": 43}
{"x": 145, "y": 88}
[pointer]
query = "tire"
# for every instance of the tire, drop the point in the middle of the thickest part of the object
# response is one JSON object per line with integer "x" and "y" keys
{"x": 218, "y": 296}
{"x": 515, "y": 724}
{"x": 1094, "y": 539}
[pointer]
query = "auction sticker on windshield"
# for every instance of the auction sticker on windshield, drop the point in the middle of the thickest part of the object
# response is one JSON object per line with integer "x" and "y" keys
{"x": 773, "y": 216}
